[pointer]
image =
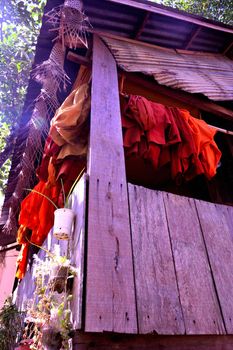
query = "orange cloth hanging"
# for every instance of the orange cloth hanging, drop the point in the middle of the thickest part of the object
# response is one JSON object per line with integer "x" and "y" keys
{"x": 37, "y": 212}
{"x": 37, "y": 215}
{"x": 207, "y": 150}
{"x": 167, "y": 135}
{"x": 147, "y": 127}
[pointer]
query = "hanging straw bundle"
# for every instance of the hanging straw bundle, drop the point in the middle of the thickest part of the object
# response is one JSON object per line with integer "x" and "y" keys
{"x": 71, "y": 23}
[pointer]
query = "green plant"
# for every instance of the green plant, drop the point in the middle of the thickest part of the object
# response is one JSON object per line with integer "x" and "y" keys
{"x": 49, "y": 311}
{"x": 20, "y": 22}
{"x": 11, "y": 325}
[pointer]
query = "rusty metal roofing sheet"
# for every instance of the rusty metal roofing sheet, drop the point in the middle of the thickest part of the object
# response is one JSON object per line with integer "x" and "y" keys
{"x": 208, "y": 74}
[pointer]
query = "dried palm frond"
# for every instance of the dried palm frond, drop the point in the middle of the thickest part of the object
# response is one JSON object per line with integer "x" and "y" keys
{"x": 33, "y": 150}
{"x": 49, "y": 97}
{"x": 52, "y": 69}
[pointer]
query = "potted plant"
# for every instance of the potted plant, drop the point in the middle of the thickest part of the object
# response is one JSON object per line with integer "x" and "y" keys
{"x": 61, "y": 270}
{"x": 63, "y": 217}
{"x": 49, "y": 311}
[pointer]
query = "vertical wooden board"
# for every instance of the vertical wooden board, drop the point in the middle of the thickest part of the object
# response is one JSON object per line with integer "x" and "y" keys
{"x": 228, "y": 215}
{"x": 202, "y": 314}
{"x": 110, "y": 289}
{"x": 219, "y": 242}
{"x": 158, "y": 304}
{"x": 78, "y": 204}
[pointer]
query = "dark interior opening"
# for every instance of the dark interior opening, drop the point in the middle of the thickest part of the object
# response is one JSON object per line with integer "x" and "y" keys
{"x": 217, "y": 190}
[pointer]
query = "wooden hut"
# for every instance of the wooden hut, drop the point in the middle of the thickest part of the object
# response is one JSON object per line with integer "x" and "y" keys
{"x": 155, "y": 261}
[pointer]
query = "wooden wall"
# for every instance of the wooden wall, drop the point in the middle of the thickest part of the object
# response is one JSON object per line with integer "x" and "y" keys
{"x": 182, "y": 252}
{"x": 156, "y": 262}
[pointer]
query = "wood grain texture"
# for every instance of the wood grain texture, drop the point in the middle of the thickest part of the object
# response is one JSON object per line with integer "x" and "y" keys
{"x": 217, "y": 225}
{"x": 110, "y": 289}
{"x": 198, "y": 297}
{"x": 151, "y": 342}
{"x": 78, "y": 204}
{"x": 158, "y": 304}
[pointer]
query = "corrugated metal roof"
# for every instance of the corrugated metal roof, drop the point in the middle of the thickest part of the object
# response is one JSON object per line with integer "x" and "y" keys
{"x": 208, "y": 74}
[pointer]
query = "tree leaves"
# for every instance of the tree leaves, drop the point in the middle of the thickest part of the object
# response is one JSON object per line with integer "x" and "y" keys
{"x": 213, "y": 9}
{"x": 20, "y": 22}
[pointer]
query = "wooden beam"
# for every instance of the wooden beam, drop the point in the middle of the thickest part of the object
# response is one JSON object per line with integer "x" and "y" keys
{"x": 173, "y": 13}
{"x": 83, "y": 341}
{"x": 193, "y": 35}
{"x": 131, "y": 41}
{"x": 228, "y": 47}
{"x": 73, "y": 57}
{"x": 201, "y": 103}
{"x": 142, "y": 25}
{"x": 110, "y": 288}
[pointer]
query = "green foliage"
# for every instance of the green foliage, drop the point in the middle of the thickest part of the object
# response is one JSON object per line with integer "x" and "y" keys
{"x": 213, "y": 9}
{"x": 4, "y": 132}
{"x": 11, "y": 325}
{"x": 20, "y": 22}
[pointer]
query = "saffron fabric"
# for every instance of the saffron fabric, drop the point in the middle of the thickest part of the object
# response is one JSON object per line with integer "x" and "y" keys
{"x": 63, "y": 159}
{"x": 207, "y": 149}
{"x": 165, "y": 135}
{"x": 147, "y": 127}
{"x": 37, "y": 212}
{"x": 70, "y": 125}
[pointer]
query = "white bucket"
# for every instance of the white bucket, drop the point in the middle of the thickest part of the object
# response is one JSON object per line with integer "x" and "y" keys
{"x": 63, "y": 220}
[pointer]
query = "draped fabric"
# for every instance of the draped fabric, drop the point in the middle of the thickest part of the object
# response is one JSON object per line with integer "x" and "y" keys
{"x": 63, "y": 160}
{"x": 165, "y": 135}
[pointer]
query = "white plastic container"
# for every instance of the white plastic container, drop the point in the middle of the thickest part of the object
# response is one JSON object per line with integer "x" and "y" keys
{"x": 63, "y": 221}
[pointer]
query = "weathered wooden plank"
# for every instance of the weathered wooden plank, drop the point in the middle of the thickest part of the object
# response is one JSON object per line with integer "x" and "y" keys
{"x": 87, "y": 341}
{"x": 158, "y": 304}
{"x": 228, "y": 215}
{"x": 216, "y": 227}
{"x": 202, "y": 314}
{"x": 78, "y": 204}
{"x": 110, "y": 290}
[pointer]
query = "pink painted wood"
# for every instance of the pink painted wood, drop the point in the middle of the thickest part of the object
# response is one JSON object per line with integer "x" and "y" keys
{"x": 110, "y": 289}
